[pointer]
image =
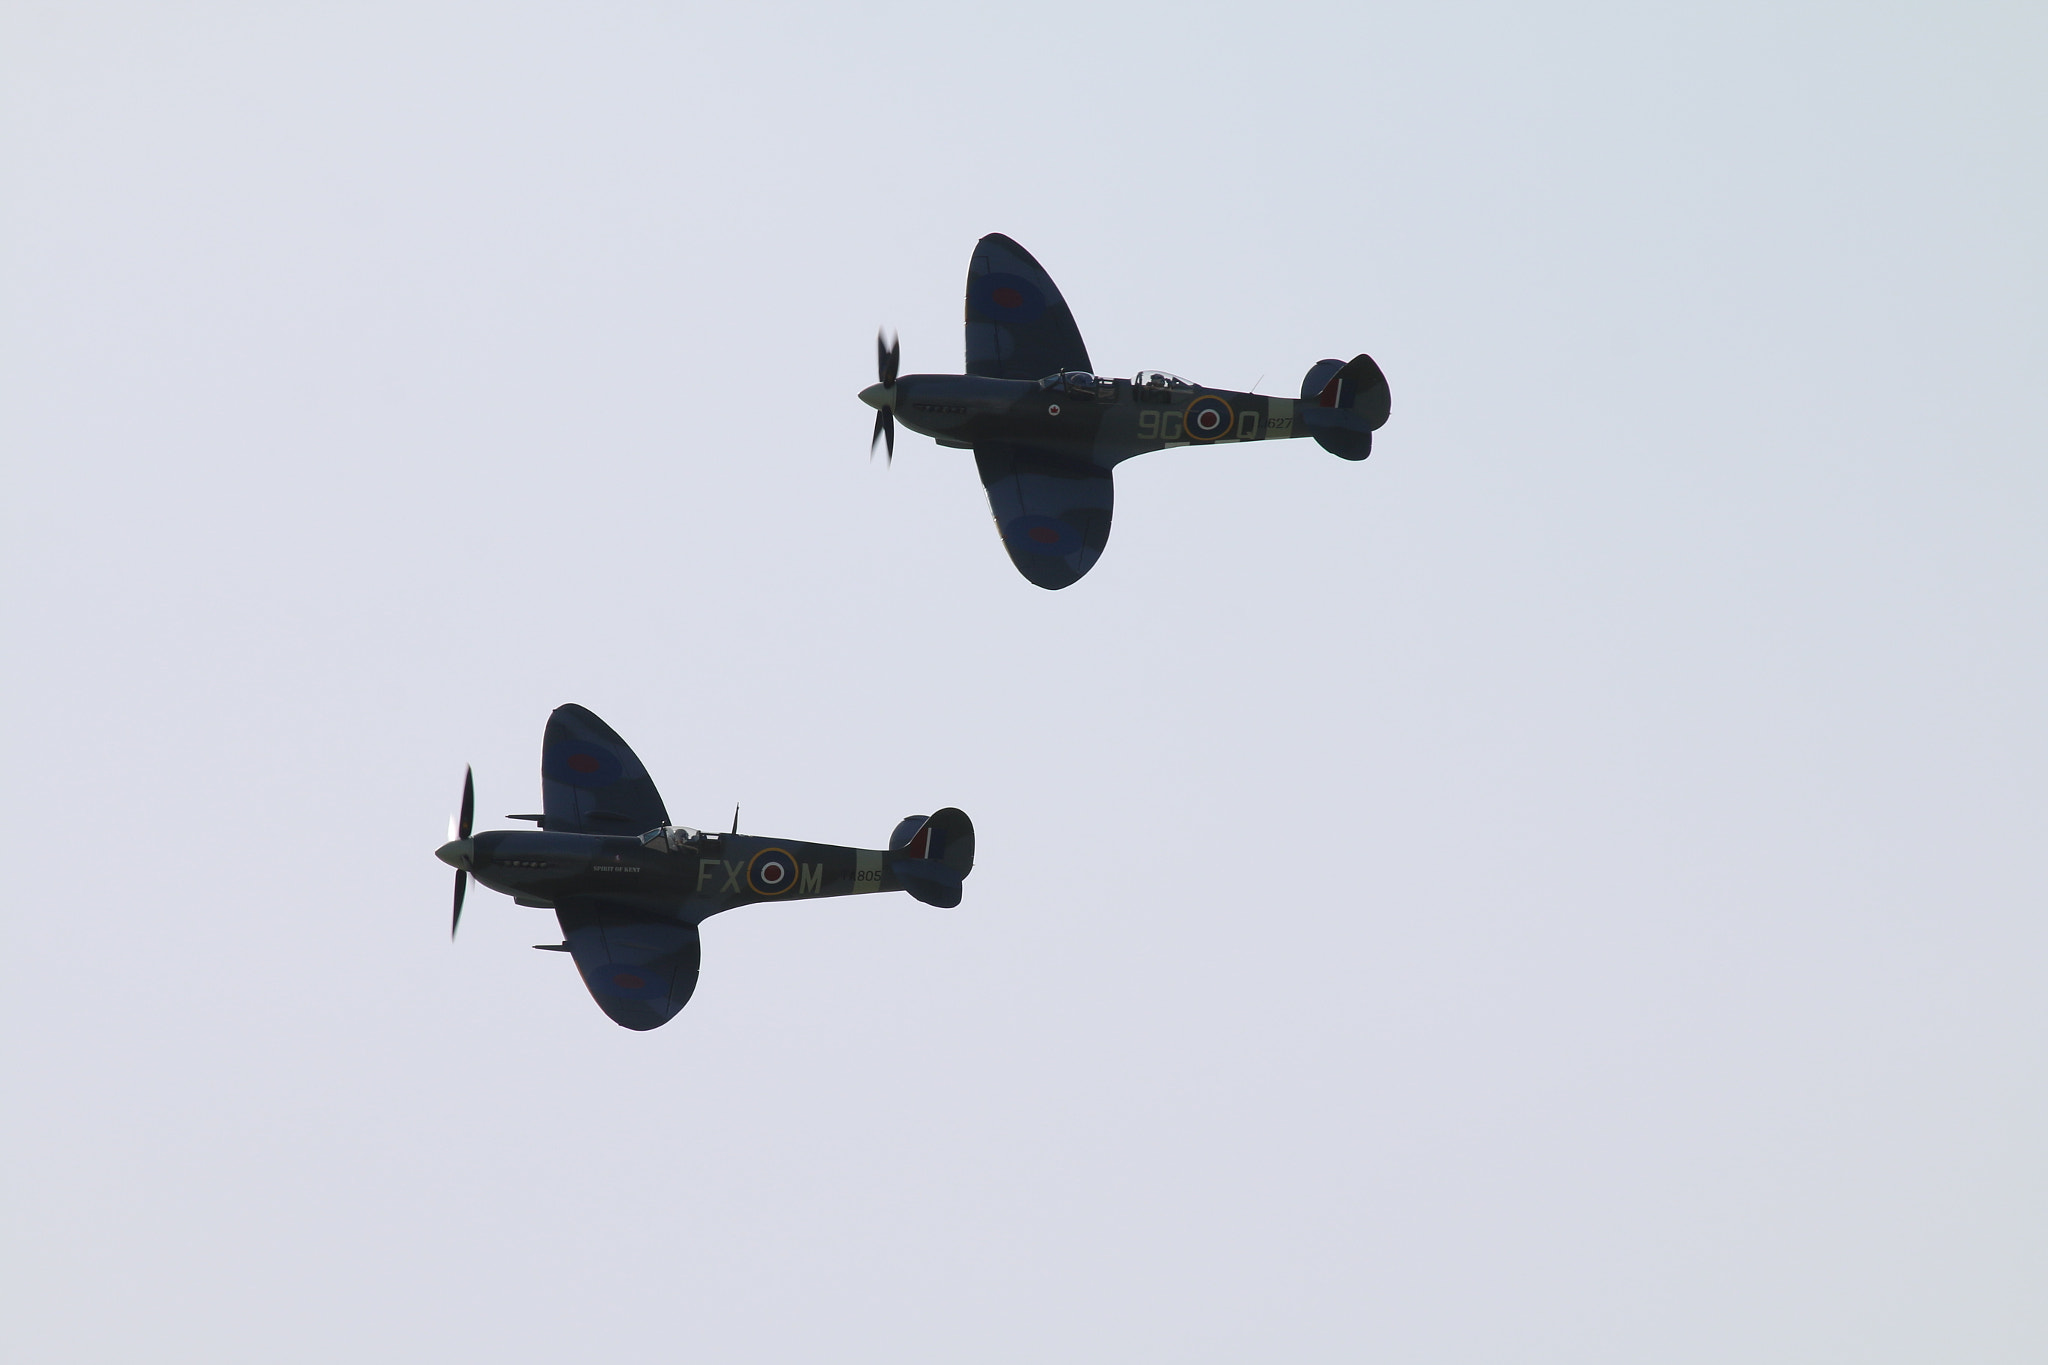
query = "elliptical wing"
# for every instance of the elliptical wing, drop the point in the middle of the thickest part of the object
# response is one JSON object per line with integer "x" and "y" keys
{"x": 1018, "y": 326}
{"x": 591, "y": 782}
{"x": 641, "y": 971}
{"x": 1052, "y": 512}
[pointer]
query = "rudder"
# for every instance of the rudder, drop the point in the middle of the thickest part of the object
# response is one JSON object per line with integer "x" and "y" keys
{"x": 932, "y": 855}
{"x": 1343, "y": 403}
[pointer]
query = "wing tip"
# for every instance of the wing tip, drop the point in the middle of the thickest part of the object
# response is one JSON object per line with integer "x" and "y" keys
{"x": 1011, "y": 244}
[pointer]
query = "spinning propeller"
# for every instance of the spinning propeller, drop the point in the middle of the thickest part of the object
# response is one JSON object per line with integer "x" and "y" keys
{"x": 456, "y": 852}
{"x": 883, "y": 395}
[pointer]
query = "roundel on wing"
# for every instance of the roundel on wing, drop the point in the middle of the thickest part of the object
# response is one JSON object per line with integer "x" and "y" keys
{"x": 1042, "y": 536}
{"x": 629, "y": 981}
{"x": 1208, "y": 418}
{"x": 1005, "y": 298}
{"x": 771, "y": 872}
{"x": 581, "y": 764}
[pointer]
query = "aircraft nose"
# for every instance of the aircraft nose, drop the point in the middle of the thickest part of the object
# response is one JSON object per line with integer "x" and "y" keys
{"x": 456, "y": 853}
{"x": 878, "y": 395}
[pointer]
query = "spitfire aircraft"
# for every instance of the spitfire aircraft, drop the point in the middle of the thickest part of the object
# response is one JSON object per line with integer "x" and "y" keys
{"x": 1046, "y": 431}
{"x": 630, "y": 889}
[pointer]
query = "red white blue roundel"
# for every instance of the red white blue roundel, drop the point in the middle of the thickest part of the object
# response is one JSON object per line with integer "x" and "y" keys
{"x": 1042, "y": 536}
{"x": 771, "y": 872}
{"x": 1208, "y": 418}
{"x": 1005, "y": 298}
{"x": 630, "y": 981}
{"x": 581, "y": 764}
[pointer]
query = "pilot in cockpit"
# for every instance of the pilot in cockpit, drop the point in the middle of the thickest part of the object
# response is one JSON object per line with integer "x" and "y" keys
{"x": 1157, "y": 386}
{"x": 671, "y": 839}
{"x": 1080, "y": 383}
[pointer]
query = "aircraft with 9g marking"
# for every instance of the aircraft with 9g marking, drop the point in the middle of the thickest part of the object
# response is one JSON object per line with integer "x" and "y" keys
{"x": 630, "y": 889}
{"x": 1046, "y": 431}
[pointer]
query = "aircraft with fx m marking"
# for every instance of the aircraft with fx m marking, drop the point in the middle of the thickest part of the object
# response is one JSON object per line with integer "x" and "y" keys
{"x": 630, "y": 889}
{"x": 1046, "y": 431}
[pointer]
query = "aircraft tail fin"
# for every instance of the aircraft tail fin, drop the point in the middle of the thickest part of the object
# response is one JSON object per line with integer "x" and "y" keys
{"x": 1343, "y": 403}
{"x": 932, "y": 854}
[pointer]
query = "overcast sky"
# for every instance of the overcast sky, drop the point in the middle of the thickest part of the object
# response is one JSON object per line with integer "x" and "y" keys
{"x": 1570, "y": 888}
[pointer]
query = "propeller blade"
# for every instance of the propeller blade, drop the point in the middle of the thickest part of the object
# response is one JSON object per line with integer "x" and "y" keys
{"x": 887, "y": 357}
{"x": 458, "y": 828}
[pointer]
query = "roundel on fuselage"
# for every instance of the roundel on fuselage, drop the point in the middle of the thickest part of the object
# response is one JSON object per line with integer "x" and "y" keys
{"x": 1208, "y": 418}
{"x": 771, "y": 872}
{"x": 1003, "y": 297}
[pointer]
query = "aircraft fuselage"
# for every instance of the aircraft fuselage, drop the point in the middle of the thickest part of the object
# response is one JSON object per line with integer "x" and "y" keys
{"x": 1103, "y": 424}
{"x": 718, "y": 872}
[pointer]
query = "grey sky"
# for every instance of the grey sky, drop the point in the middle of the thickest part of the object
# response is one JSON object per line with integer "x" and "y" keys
{"x": 1568, "y": 889}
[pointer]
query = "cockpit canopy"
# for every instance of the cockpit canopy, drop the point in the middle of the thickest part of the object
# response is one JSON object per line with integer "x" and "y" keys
{"x": 1160, "y": 379}
{"x": 1073, "y": 381}
{"x": 670, "y": 838}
